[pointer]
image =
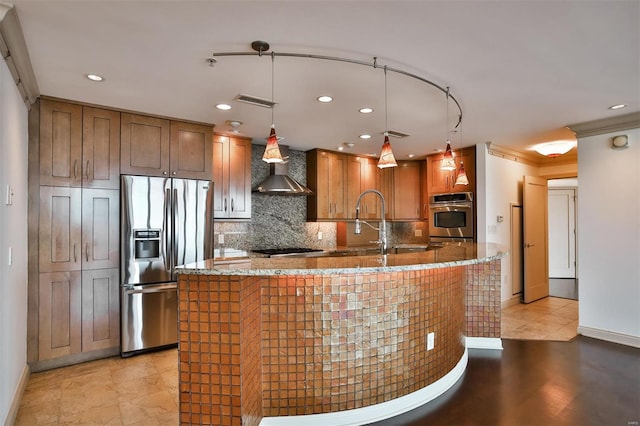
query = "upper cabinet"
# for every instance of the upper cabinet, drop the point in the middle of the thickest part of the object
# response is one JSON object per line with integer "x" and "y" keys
{"x": 232, "y": 177}
{"x": 191, "y": 150}
{"x": 362, "y": 174}
{"x": 326, "y": 173}
{"x": 407, "y": 193}
{"x": 79, "y": 146}
{"x": 443, "y": 181}
{"x": 154, "y": 146}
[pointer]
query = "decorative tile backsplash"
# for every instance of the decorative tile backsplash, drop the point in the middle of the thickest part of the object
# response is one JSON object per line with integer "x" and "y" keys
{"x": 279, "y": 221}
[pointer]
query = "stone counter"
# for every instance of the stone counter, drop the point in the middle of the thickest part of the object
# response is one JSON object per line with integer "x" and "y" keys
{"x": 263, "y": 340}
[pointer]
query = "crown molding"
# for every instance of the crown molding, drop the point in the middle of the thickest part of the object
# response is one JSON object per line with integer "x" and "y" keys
{"x": 607, "y": 125}
{"x": 531, "y": 158}
{"x": 14, "y": 51}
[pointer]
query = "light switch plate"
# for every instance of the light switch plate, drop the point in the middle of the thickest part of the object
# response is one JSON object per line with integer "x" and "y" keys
{"x": 220, "y": 238}
{"x": 9, "y": 197}
{"x": 431, "y": 341}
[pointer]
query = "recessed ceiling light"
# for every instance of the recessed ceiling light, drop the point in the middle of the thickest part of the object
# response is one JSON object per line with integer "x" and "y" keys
{"x": 95, "y": 77}
{"x": 325, "y": 99}
{"x": 366, "y": 110}
{"x": 410, "y": 155}
{"x": 341, "y": 148}
{"x": 223, "y": 107}
{"x": 365, "y": 136}
{"x": 617, "y": 106}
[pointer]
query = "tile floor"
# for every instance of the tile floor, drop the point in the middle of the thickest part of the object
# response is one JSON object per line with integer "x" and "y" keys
{"x": 551, "y": 318}
{"x": 143, "y": 390}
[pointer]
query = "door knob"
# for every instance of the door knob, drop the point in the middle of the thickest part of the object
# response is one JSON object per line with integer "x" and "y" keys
{"x": 528, "y": 245}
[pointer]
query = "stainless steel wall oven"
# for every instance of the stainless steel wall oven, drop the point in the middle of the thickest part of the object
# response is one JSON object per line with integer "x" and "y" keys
{"x": 451, "y": 217}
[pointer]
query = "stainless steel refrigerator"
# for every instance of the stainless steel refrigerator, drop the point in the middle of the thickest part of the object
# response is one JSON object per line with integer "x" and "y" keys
{"x": 165, "y": 222}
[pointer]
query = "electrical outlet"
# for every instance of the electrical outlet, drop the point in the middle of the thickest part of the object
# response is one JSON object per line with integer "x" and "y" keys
{"x": 9, "y": 196}
{"x": 431, "y": 341}
{"x": 418, "y": 232}
{"x": 220, "y": 238}
{"x": 319, "y": 235}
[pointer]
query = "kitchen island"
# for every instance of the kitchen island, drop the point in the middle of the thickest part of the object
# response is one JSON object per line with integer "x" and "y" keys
{"x": 338, "y": 340}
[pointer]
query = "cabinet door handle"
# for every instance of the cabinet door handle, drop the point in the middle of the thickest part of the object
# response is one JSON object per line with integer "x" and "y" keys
{"x": 225, "y": 204}
{"x": 86, "y": 251}
{"x": 174, "y": 173}
{"x": 75, "y": 255}
{"x": 86, "y": 171}
{"x": 232, "y": 208}
{"x": 75, "y": 168}
{"x": 164, "y": 173}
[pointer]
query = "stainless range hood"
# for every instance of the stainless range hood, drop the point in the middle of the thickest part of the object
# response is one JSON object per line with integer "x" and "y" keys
{"x": 279, "y": 182}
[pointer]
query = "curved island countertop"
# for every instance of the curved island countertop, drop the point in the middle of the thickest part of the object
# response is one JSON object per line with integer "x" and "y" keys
{"x": 337, "y": 340}
{"x": 458, "y": 254}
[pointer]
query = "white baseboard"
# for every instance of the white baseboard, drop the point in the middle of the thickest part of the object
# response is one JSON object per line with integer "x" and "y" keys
{"x": 483, "y": 343}
{"x": 377, "y": 412}
{"x": 17, "y": 397}
{"x": 610, "y": 336}
{"x": 515, "y": 300}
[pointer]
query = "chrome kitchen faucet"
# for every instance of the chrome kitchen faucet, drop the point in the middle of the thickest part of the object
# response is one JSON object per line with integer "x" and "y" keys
{"x": 382, "y": 229}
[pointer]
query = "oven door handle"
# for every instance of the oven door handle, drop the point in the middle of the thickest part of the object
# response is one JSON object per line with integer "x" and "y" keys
{"x": 448, "y": 205}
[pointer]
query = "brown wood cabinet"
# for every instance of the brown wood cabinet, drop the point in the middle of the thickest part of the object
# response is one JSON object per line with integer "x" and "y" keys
{"x": 59, "y": 315}
{"x": 326, "y": 174}
{"x": 232, "y": 177}
{"x": 60, "y": 230}
{"x": 144, "y": 145}
{"x": 443, "y": 181}
{"x": 100, "y": 229}
{"x": 100, "y": 309}
{"x": 407, "y": 193}
{"x": 79, "y": 146}
{"x": 60, "y": 143}
{"x": 362, "y": 174}
{"x": 191, "y": 150}
{"x": 152, "y": 146}
{"x": 100, "y": 148}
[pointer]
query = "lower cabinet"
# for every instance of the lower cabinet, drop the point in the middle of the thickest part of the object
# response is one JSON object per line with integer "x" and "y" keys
{"x": 78, "y": 312}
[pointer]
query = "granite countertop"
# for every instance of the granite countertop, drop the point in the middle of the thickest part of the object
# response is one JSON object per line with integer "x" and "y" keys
{"x": 449, "y": 255}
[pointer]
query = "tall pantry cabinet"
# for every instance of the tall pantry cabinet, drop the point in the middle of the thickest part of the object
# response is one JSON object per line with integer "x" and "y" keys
{"x": 74, "y": 154}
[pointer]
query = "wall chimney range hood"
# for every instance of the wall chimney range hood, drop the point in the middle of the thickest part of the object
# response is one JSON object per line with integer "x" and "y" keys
{"x": 279, "y": 182}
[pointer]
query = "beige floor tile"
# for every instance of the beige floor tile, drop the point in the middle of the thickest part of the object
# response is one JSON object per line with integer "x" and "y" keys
{"x": 103, "y": 415}
{"x": 131, "y": 371}
{"x": 154, "y": 406}
{"x": 546, "y": 319}
{"x": 47, "y": 413}
{"x": 135, "y": 388}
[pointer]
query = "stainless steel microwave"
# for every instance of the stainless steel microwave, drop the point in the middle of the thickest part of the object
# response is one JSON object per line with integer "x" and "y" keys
{"x": 451, "y": 215}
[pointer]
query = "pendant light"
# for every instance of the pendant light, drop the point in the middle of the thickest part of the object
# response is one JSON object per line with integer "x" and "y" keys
{"x": 386, "y": 154}
{"x": 272, "y": 150}
{"x": 461, "y": 178}
{"x": 448, "y": 163}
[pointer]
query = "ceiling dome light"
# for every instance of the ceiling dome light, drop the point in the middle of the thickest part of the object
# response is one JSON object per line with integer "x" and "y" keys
{"x": 554, "y": 149}
{"x": 614, "y": 107}
{"x": 95, "y": 77}
{"x": 223, "y": 107}
{"x": 366, "y": 110}
{"x": 365, "y": 136}
{"x": 325, "y": 99}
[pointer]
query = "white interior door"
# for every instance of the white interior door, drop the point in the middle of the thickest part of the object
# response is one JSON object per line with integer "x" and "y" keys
{"x": 516, "y": 250}
{"x": 562, "y": 233}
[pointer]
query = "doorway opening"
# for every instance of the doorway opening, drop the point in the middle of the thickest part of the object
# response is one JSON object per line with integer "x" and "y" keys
{"x": 562, "y": 214}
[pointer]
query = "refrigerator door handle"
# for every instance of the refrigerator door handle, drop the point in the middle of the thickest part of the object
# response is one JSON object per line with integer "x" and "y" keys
{"x": 167, "y": 229}
{"x": 152, "y": 289}
{"x": 176, "y": 233}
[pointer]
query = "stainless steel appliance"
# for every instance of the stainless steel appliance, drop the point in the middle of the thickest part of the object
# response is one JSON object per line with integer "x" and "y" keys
{"x": 451, "y": 217}
{"x": 165, "y": 222}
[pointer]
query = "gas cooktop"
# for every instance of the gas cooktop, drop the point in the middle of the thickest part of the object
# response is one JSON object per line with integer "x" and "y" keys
{"x": 285, "y": 251}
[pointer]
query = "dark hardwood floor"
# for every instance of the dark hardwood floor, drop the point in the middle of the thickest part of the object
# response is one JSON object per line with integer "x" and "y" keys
{"x": 540, "y": 383}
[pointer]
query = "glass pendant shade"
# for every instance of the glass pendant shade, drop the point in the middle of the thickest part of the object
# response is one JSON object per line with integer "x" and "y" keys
{"x": 462, "y": 178}
{"x": 448, "y": 163}
{"x": 386, "y": 155}
{"x": 272, "y": 150}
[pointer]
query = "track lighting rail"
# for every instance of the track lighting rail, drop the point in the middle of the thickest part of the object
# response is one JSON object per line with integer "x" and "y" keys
{"x": 262, "y": 48}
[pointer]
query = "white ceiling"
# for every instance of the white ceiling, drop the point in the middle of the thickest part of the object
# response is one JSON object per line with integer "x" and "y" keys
{"x": 521, "y": 70}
